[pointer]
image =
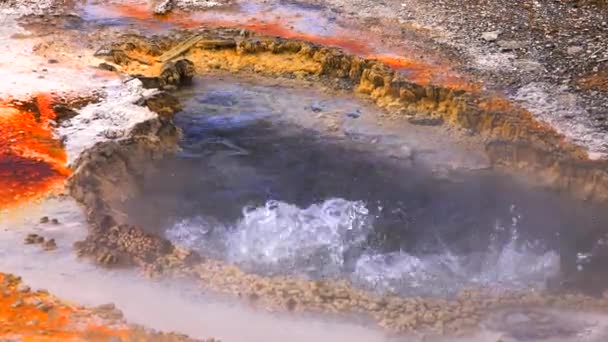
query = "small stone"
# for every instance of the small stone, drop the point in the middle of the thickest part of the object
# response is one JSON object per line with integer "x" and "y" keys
{"x": 509, "y": 45}
{"x": 316, "y": 108}
{"x": 106, "y": 307}
{"x": 55, "y": 221}
{"x": 44, "y": 219}
{"x": 354, "y": 114}
{"x": 17, "y": 303}
{"x": 107, "y": 67}
{"x": 46, "y": 307}
{"x": 32, "y": 239}
{"x": 23, "y": 288}
{"x": 50, "y": 245}
{"x": 490, "y": 36}
{"x": 406, "y": 152}
{"x": 53, "y": 61}
{"x": 574, "y": 50}
{"x": 163, "y": 7}
{"x": 291, "y": 304}
{"x": 425, "y": 121}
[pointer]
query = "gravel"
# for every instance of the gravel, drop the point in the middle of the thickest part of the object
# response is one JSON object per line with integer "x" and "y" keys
{"x": 509, "y": 45}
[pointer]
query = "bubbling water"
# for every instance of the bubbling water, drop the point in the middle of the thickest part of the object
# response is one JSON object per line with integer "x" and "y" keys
{"x": 330, "y": 239}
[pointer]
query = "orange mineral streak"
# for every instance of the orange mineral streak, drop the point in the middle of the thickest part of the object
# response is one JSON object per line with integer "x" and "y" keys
{"x": 415, "y": 70}
{"x": 39, "y": 317}
{"x": 32, "y": 160}
{"x": 426, "y": 74}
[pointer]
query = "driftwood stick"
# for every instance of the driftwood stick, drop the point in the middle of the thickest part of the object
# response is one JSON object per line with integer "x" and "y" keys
{"x": 179, "y": 49}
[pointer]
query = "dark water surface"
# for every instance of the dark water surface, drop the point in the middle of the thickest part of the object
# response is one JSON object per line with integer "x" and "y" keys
{"x": 259, "y": 183}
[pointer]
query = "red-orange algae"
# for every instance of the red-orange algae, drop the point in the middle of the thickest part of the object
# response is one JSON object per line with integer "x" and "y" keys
{"x": 23, "y": 316}
{"x": 32, "y": 160}
{"x": 426, "y": 74}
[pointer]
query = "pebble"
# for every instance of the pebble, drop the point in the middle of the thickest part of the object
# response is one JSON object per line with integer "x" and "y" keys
{"x": 106, "y": 307}
{"x": 23, "y": 288}
{"x": 55, "y": 221}
{"x": 354, "y": 114}
{"x": 490, "y": 36}
{"x": 509, "y": 45}
{"x": 33, "y": 239}
{"x": 49, "y": 245}
{"x": 44, "y": 219}
{"x": 573, "y": 50}
{"x": 316, "y": 107}
{"x": 46, "y": 307}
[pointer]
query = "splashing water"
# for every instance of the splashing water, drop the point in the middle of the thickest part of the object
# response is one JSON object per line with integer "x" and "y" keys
{"x": 318, "y": 237}
{"x": 329, "y": 239}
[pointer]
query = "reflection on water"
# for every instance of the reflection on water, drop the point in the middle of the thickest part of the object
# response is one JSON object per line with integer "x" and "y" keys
{"x": 260, "y": 183}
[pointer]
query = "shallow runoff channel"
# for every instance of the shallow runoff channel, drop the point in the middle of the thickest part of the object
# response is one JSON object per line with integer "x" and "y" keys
{"x": 286, "y": 180}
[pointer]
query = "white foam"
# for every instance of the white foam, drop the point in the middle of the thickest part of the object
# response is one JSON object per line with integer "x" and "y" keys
{"x": 283, "y": 234}
{"x": 320, "y": 239}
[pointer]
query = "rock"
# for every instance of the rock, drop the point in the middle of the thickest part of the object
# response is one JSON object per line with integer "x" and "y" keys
{"x": 510, "y": 45}
{"x": 163, "y": 6}
{"x": 354, "y": 114}
{"x": 426, "y": 121}
{"x": 31, "y": 239}
{"x": 148, "y": 82}
{"x": 164, "y": 104}
{"x": 50, "y": 245}
{"x": 406, "y": 152}
{"x": 176, "y": 73}
{"x": 23, "y": 288}
{"x": 55, "y": 221}
{"x": 316, "y": 107}
{"x": 291, "y": 304}
{"x": 574, "y": 50}
{"x": 490, "y": 36}
{"x": 17, "y": 303}
{"x": 44, "y": 219}
{"x": 106, "y": 307}
{"x": 46, "y": 307}
{"x": 107, "y": 66}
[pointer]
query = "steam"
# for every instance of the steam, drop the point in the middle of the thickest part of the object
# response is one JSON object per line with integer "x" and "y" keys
{"x": 163, "y": 305}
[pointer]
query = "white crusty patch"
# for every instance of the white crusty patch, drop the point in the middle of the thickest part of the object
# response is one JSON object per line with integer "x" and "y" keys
{"x": 110, "y": 119}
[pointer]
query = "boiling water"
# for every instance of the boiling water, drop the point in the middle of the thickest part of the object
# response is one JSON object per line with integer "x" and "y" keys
{"x": 292, "y": 181}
